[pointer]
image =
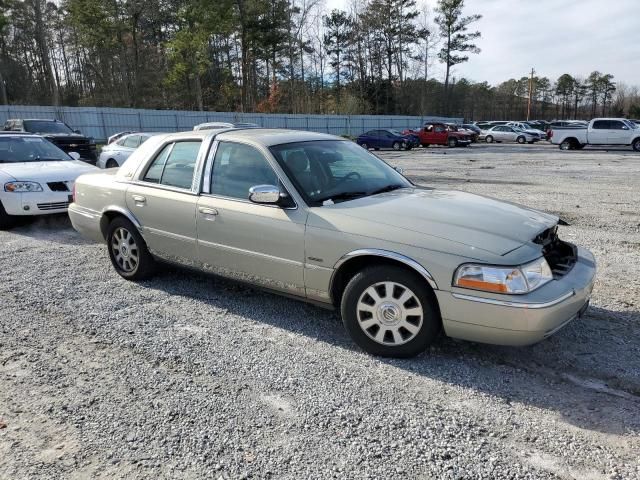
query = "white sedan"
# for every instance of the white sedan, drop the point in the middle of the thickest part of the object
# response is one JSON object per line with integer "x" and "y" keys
{"x": 36, "y": 177}
{"x": 114, "y": 154}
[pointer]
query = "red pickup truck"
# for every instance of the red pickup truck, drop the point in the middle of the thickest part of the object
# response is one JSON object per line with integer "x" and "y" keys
{"x": 440, "y": 134}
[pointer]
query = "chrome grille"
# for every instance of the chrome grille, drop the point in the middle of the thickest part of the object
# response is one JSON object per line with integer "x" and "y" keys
{"x": 53, "y": 205}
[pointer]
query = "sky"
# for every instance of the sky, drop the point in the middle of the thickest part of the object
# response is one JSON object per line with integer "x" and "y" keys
{"x": 551, "y": 36}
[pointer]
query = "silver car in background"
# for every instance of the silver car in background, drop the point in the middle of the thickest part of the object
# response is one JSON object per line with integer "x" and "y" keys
{"x": 321, "y": 219}
{"x": 114, "y": 154}
{"x": 508, "y": 134}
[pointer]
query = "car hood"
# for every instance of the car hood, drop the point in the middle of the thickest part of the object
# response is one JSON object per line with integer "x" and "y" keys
{"x": 425, "y": 217}
{"x": 46, "y": 171}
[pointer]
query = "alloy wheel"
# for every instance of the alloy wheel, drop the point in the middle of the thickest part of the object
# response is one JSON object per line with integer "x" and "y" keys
{"x": 125, "y": 250}
{"x": 390, "y": 313}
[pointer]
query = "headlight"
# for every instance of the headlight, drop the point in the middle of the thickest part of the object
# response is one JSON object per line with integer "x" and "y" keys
{"x": 507, "y": 280}
{"x": 21, "y": 187}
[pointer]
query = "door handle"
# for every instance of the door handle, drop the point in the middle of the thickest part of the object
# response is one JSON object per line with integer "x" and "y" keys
{"x": 138, "y": 198}
{"x": 208, "y": 211}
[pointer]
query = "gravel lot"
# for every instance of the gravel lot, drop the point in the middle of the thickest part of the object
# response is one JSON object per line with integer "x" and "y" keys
{"x": 188, "y": 376}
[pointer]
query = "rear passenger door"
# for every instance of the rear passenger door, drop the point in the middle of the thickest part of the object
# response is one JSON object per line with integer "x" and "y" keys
{"x": 164, "y": 199}
{"x": 599, "y": 132}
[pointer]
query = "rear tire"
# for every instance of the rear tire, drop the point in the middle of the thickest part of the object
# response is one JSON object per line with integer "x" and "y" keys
{"x": 521, "y": 140}
{"x": 396, "y": 145}
{"x": 128, "y": 251}
{"x": 636, "y": 144}
{"x": 365, "y": 146}
{"x": 6, "y": 221}
{"x": 111, "y": 163}
{"x": 566, "y": 145}
{"x": 488, "y": 139}
{"x": 380, "y": 322}
{"x": 452, "y": 142}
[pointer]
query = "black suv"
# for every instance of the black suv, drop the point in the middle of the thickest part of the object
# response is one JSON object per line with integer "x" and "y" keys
{"x": 58, "y": 133}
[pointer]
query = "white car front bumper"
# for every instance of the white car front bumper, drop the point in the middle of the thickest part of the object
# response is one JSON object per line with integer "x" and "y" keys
{"x": 35, "y": 203}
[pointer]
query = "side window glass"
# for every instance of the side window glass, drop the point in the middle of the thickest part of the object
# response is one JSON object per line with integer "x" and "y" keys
{"x": 601, "y": 125}
{"x": 616, "y": 125}
{"x": 237, "y": 168}
{"x": 131, "y": 141}
{"x": 154, "y": 173}
{"x": 181, "y": 164}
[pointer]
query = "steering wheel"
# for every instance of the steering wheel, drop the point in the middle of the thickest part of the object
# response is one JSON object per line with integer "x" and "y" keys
{"x": 347, "y": 177}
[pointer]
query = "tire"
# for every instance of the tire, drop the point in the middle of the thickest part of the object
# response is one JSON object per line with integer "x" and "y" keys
{"x": 425, "y": 145}
{"x": 636, "y": 144}
{"x": 123, "y": 239}
{"x": 452, "y": 142}
{"x": 396, "y": 145}
{"x": 566, "y": 145}
{"x": 521, "y": 140}
{"x": 6, "y": 221}
{"x": 111, "y": 163}
{"x": 365, "y": 146}
{"x": 384, "y": 329}
{"x": 488, "y": 139}
{"x": 408, "y": 147}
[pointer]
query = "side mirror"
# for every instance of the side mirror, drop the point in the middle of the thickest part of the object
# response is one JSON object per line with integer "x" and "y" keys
{"x": 74, "y": 155}
{"x": 264, "y": 194}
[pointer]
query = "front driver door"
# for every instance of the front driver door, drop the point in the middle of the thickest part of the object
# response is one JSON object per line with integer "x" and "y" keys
{"x": 261, "y": 244}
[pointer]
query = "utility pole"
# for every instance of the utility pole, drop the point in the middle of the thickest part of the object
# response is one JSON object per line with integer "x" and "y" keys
{"x": 530, "y": 93}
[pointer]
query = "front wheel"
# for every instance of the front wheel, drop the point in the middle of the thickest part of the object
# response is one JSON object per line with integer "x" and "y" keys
{"x": 396, "y": 145}
{"x": 365, "y": 146}
{"x": 636, "y": 144}
{"x": 128, "y": 251}
{"x": 452, "y": 143}
{"x": 6, "y": 221}
{"x": 390, "y": 311}
{"x": 489, "y": 139}
{"x": 111, "y": 163}
{"x": 521, "y": 140}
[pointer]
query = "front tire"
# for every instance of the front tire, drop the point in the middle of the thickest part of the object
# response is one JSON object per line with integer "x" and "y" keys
{"x": 128, "y": 251}
{"x": 111, "y": 163}
{"x": 6, "y": 221}
{"x": 453, "y": 143}
{"x": 636, "y": 144}
{"x": 488, "y": 139}
{"x": 566, "y": 145}
{"x": 390, "y": 311}
{"x": 396, "y": 146}
{"x": 365, "y": 146}
{"x": 521, "y": 140}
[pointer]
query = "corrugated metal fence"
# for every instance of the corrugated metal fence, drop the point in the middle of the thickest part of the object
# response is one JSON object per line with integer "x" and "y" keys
{"x": 100, "y": 123}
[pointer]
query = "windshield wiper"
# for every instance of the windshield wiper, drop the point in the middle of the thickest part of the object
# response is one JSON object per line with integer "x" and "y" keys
{"x": 341, "y": 196}
{"x": 388, "y": 188}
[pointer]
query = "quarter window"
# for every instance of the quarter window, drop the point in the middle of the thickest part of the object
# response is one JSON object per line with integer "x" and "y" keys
{"x": 237, "y": 168}
{"x": 174, "y": 165}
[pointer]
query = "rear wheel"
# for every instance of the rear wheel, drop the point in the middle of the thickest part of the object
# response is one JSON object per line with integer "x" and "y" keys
{"x": 566, "y": 145}
{"x": 128, "y": 251}
{"x": 636, "y": 144}
{"x": 390, "y": 311}
{"x": 488, "y": 139}
{"x": 521, "y": 140}
{"x": 365, "y": 146}
{"x": 6, "y": 221}
{"x": 452, "y": 142}
{"x": 396, "y": 145}
{"x": 111, "y": 163}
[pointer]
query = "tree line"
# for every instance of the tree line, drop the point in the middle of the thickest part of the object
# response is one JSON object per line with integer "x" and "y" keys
{"x": 273, "y": 56}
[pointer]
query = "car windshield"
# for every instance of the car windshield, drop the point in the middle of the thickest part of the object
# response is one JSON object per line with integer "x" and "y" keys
{"x": 29, "y": 149}
{"x": 631, "y": 124}
{"x": 43, "y": 126}
{"x": 331, "y": 171}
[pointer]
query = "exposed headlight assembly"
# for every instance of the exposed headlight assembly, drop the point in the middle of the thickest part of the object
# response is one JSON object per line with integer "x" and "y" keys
{"x": 508, "y": 280}
{"x": 22, "y": 187}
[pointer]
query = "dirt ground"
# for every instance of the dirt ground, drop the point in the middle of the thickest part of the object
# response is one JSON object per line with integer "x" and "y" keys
{"x": 189, "y": 376}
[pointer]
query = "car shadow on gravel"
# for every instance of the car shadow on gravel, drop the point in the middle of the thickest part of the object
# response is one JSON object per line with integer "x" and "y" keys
{"x": 589, "y": 373}
{"x": 55, "y": 228}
